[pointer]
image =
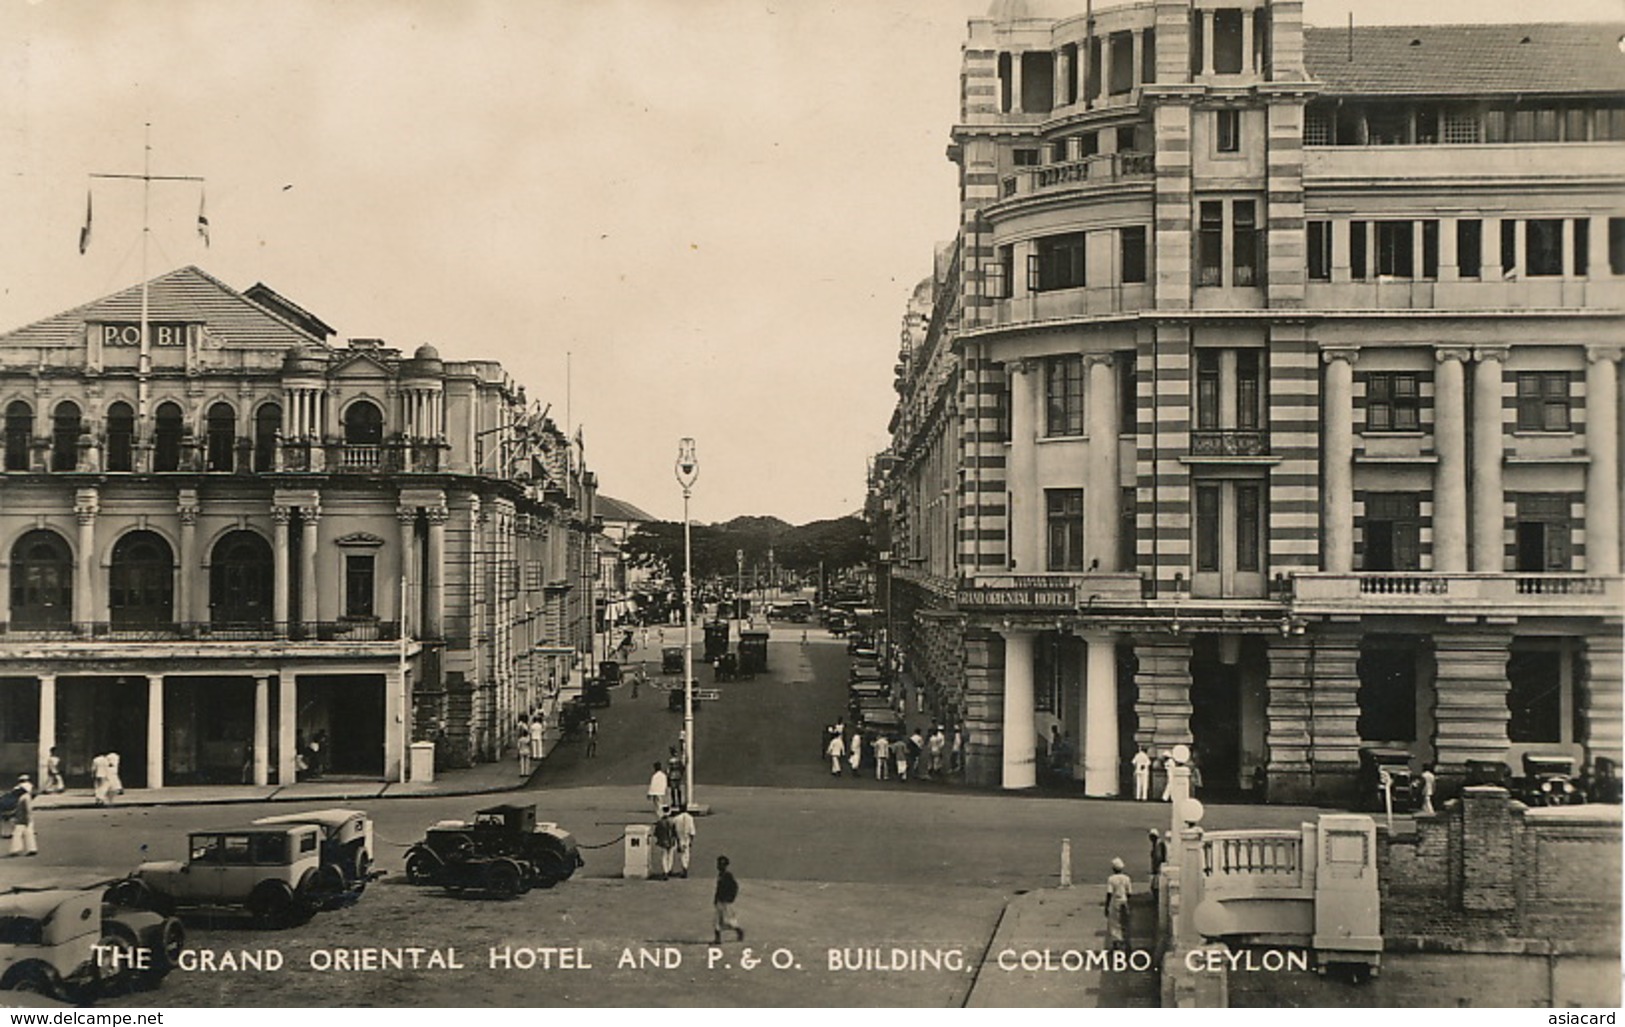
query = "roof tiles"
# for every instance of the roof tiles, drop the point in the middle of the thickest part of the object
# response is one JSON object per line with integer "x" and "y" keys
{"x": 1468, "y": 60}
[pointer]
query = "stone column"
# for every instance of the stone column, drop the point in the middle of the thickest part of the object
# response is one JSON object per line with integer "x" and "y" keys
{"x": 86, "y": 503}
{"x": 309, "y": 612}
{"x": 282, "y": 584}
{"x": 397, "y": 708}
{"x": 1602, "y": 450}
{"x": 1015, "y": 82}
{"x": 1102, "y": 482}
{"x": 1020, "y": 736}
{"x": 407, "y": 517}
{"x": 1337, "y": 528}
{"x": 1025, "y": 540}
{"x": 1105, "y": 66}
{"x": 1247, "y": 55}
{"x": 262, "y": 729}
{"x": 1137, "y": 49}
{"x": 434, "y": 573}
{"x": 287, "y": 723}
{"x": 1604, "y": 709}
{"x": 1100, "y": 756}
{"x": 1450, "y": 442}
{"x": 186, "y": 583}
{"x": 1207, "y": 42}
{"x": 155, "y": 730}
{"x": 47, "y": 723}
{"x": 1488, "y": 520}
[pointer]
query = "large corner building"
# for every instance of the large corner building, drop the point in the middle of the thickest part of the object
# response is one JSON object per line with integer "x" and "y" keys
{"x": 1268, "y": 399}
{"x": 222, "y": 535}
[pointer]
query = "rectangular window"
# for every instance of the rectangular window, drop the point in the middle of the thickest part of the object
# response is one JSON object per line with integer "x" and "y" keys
{"x": 1026, "y": 157}
{"x": 1090, "y": 144}
{"x": 1207, "y": 528}
{"x": 1430, "y": 248}
{"x": 1317, "y": 126}
{"x": 1616, "y": 246}
{"x": 1392, "y": 402}
{"x": 1227, "y": 131}
{"x": 1543, "y": 247}
{"x": 1509, "y": 247}
{"x": 1543, "y": 401}
{"x": 1057, "y": 151}
{"x": 1544, "y": 534}
{"x": 1247, "y": 390}
{"x": 1357, "y": 247}
{"x": 1207, "y": 389}
{"x": 1575, "y": 124}
{"x": 1064, "y": 517}
{"x": 1461, "y": 126}
{"x": 1249, "y": 526}
{"x": 1060, "y": 262}
{"x": 1063, "y": 386}
{"x": 1582, "y": 247}
{"x": 1393, "y": 532}
{"x": 358, "y": 585}
{"x": 1001, "y": 402}
{"x": 1126, "y": 136}
{"x": 1128, "y": 394}
{"x": 1148, "y": 54}
{"x": 1000, "y": 274}
{"x": 1128, "y": 529}
{"x": 1244, "y": 242}
{"x": 1470, "y": 248}
{"x": 1320, "y": 251}
{"x": 1132, "y": 240}
{"x": 1210, "y": 244}
{"x": 1394, "y": 249}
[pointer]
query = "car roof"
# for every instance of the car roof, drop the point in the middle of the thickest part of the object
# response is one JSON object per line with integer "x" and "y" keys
{"x": 506, "y": 808}
{"x": 325, "y": 817}
{"x": 253, "y": 828}
{"x": 35, "y": 903}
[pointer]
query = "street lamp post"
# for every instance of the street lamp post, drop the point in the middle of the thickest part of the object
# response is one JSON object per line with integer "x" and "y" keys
{"x": 739, "y": 588}
{"x": 688, "y": 471}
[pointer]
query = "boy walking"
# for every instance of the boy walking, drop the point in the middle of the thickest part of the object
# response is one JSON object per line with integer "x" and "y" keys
{"x": 727, "y": 891}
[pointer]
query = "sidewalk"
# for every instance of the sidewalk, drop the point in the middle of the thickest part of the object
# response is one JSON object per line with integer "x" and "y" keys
{"x": 481, "y": 779}
{"x": 1039, "y": 955}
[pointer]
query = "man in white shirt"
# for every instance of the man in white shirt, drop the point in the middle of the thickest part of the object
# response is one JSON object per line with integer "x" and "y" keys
{"x": 684, "y": 822}
{"x": 658, "y": 783}
{"x": 1142, "y": 774}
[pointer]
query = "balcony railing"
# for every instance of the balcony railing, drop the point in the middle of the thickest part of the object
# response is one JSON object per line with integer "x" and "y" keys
{"x": 298, "y": 631}
{"x": 1097, "y": 169}
{"x": 1239, "y": 864}
{"x": 361, "y": 458}
{"x": 1424, "y": 591}
{"x": 1229, "y": 442}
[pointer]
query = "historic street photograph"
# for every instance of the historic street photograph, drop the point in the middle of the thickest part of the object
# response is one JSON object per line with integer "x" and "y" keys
{"x": 679, "y": 504}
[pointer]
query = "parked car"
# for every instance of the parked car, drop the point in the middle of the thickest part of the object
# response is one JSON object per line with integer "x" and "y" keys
{"x": 347, "y": 843}
{"x": 671, "y": 659}
{"x": 48, "y": 939}
{"x": 275, "y": 872}
{"x": 753, "y": 653}
{"x": 1395, "y": 763}
{"x": 1549, "y": 780}
{"x": 503, "y": 851}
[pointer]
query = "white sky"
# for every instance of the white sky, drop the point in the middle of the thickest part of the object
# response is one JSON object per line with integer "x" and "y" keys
{"x": 718, "y": 207}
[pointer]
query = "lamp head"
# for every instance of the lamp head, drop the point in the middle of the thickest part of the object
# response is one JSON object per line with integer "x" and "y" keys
{"x": 688, "y": 465}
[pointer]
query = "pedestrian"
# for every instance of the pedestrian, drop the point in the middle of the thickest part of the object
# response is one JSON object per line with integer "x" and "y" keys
{"x": 835, "y": 751}
{"x": 99, "y": 780}
{"x": 916, "y": 751}
{"x": 53, "y": 774}
{"x": 899, "y": 749}
{"x": 727, "y": 892}
{"x": 538, "y": 738}
{"x": 665, "y": 840}
{"x": 1168, "y": 766}
{"x": 592, "y": 736}
{"x": 854, "y": 752}
{"x": 683, "y": 821}
{"x": 23, "y": 840}
{"x": 882, "y": 758}
{"x": 1118, "y": 888}
{"x": 1159, "y": 856}
{"x": 115, "y": 781}
{"x": 1196, "y": 776}
{"x": 935, "y": 748}
{"x": 522, "y": 745}
{"x": 1142, "y": 774}
{"x": 319, "y": 756}
{"x": 1430, "y": 781}
{"x": 658, "y": 785}
{"x": 675, "y": 768}
{"x": 958, "y": 754}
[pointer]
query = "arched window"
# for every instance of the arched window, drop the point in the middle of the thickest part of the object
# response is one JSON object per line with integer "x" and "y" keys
{"x": 41, "y": 581}
{"x": 142, "y": 588}
{"x": 65, "y": 436}
{"x": 363, "y": 424}
{"x": 267, "y": 422}
{"x": 166, "y": 440}
{"x": 120, "y": 437}
{"x": 222, "y": 437}
{"x": 240, "y": 580}
{"x": 19, "y": 434}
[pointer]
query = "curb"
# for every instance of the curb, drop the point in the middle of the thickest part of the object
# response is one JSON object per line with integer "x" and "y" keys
{"x": 278, "y": 796}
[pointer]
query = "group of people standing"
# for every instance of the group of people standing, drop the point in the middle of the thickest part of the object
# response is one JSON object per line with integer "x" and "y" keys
{"x": 917, "y": 754}
{"x": 667, "y": 783}
{"x": 105, "y": 779}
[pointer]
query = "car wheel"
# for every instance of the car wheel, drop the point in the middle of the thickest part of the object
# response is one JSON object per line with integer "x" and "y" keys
{"x": 420, "y": 867}
{"x": 504, "y": 878}
{"x": 34, "y": 979}
{"x": 272, "y": 903}
{"x": 166, "y": 954}
{"x": 323, "y": 884}
{"x": 360, "y": 865}
{"x": 115, "y": 964}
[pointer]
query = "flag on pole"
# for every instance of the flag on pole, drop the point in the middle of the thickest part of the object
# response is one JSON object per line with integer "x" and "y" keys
{"x": 202, "y": 219}
{"x": 84, "y": 233}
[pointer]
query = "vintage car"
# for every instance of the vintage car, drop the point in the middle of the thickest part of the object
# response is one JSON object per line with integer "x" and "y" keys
{"x": 671, "y": 659}
{"x": 503, "y": 851}
{"x": 1549, "y": 780}
{"x": 1394, "y": 764}
{"x": 752, "y": 653}
{"x": 716, "y": 639}
{"x": 48, "y": 942}
{"x": 276, "y": 872}
{"x": 347, "y": 844}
